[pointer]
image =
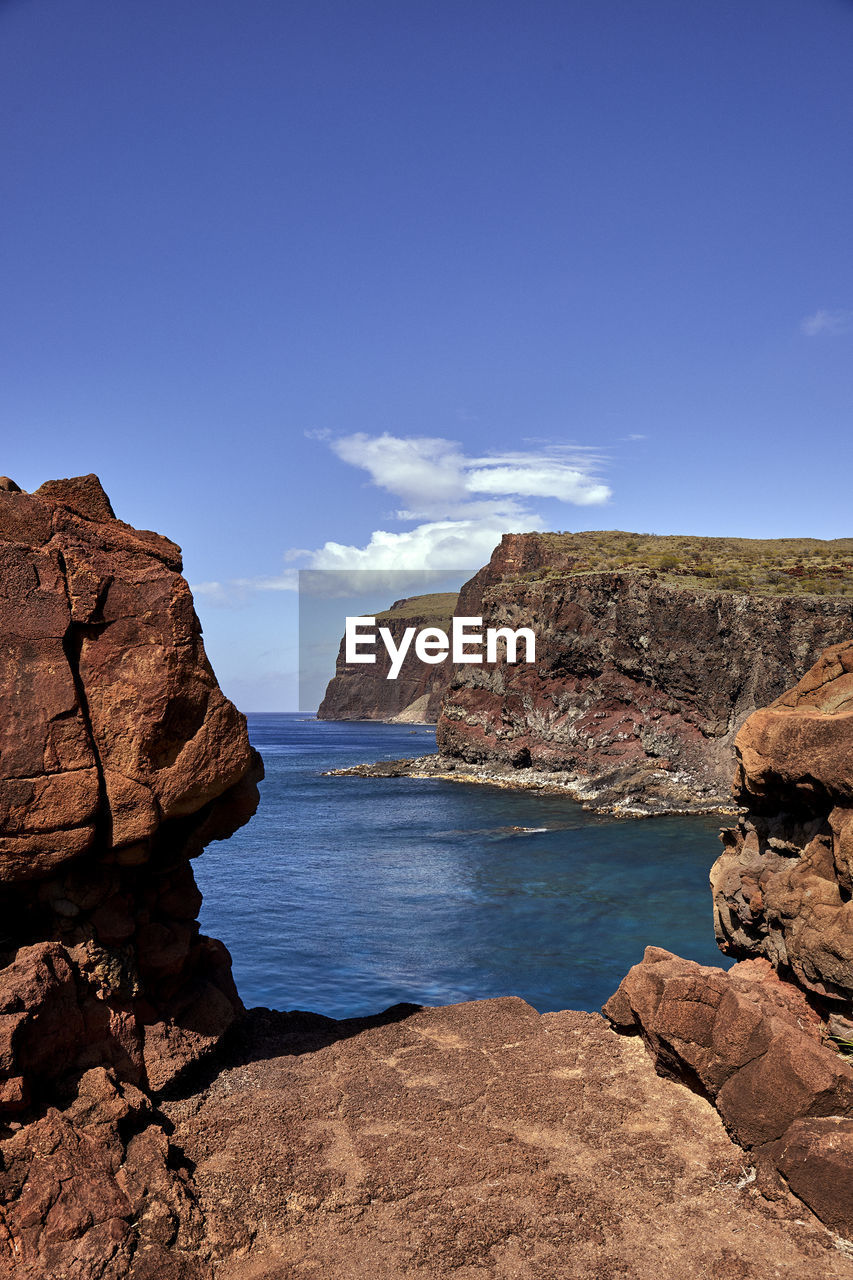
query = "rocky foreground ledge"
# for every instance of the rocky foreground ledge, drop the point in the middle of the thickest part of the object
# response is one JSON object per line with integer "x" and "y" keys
{"x": 151, "y": 1129}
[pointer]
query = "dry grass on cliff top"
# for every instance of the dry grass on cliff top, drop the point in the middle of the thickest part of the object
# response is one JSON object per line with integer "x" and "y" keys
{"x": 768, "y": 566}
{"x": 437, "y": 607}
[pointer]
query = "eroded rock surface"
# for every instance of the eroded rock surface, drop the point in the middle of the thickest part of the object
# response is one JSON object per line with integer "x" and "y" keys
{"x": 151, "y": 1130}
{"x": 120, "y": 759}
{"x": 766, "y": 1040}
{"x": 476, "y": 1141}
{"x": 782, "y": 887}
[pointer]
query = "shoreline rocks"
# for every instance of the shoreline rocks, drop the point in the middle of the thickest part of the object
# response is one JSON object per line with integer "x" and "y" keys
{"x": 152, "y": 1129}
{"x": 600, "y": 795}
{"x": 763, "y": 1039}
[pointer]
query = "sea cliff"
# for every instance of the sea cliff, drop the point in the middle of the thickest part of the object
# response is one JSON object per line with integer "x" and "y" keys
{"x": 644, "y": 671}
{"x": 362, "y": 691}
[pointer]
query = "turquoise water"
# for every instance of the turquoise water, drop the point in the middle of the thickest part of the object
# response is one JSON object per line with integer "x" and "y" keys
{"x": 345, "y": 895}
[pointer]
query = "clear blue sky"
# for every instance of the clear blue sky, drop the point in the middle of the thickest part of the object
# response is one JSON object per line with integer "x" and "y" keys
{"x": 292, "y": 273}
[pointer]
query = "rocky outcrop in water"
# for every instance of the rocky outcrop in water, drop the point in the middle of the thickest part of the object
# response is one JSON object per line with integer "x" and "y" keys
{"x": 120, "y": 759}
{"x": 640, "y": 683}
{"x": 770, "y": 1040}
{"x": 362, "y": 691}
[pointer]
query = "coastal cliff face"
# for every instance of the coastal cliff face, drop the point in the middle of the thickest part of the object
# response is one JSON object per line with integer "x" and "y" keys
{"x": 770, "y": 1041}
{"x": 120, "y": 759}
{"x": 362, "y": 691}
{"x": 151, "y": 1129}
{"x": 640, "y": 683}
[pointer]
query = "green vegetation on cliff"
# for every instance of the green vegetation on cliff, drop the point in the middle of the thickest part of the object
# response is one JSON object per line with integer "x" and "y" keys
{"x": 769, "y": 566}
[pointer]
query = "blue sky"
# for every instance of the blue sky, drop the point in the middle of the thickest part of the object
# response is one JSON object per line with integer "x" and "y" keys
{"x": 374, "y": 282}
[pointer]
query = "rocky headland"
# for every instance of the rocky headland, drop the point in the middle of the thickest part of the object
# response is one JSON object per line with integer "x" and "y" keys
{"x": 647, "y": 663}
{"x": 362, "y": 691}
{"x": 153, "y": 1130}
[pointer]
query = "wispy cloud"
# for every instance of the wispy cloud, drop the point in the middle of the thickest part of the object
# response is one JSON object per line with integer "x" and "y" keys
{"x": 459, "y": 505}
{"x": 435, "y": 479}
{"x": 236, "y": 591}
{"x": 826, "y": 322}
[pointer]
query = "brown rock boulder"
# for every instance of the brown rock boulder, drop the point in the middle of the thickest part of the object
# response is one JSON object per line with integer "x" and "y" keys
{"x": 120, "y": 759}
{"x": 816, "y": 1159}
{"x": 799, "y": 749}
{"x": 782, "y": 887}
{"x": 96, "y": 1190}
{"x": 754, "y": 1044}
{"x": 112, "y": 720}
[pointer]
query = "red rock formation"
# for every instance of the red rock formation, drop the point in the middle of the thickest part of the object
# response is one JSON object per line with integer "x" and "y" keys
{"x": 479, "y": 1138}
{"x": 640, "y": 684}
{"x": 762, "y": 1039}
{"x": 783, "y": 885}
{"x": 119, "y": 760}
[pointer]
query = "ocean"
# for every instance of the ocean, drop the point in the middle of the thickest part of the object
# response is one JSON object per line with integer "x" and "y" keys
{"x": 346, "y": 895}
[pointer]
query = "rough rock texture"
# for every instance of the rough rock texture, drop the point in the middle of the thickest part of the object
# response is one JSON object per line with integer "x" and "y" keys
{"x": 640, "y": 685}
{"x": 120, "y": 759}
{"x": 477, "y": 1141}
{"x": 758, "y": 1048}
{"x": 97, "y": 1190}
{"x": 362, "y": 691}
{"x": 783, "y": 885}
{"x": 151, "y": 1130}
{"x": 763, "y": 1040}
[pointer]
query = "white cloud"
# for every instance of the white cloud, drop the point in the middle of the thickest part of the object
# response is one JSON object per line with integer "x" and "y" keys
{"x": 435, "y": 478}
{"x": 459, "y": 505}
{"x": 831, "y": 322}
{"x": 438, "y": 544}
{"x": 425, "y": 471}
{"x": 536, "y": 476}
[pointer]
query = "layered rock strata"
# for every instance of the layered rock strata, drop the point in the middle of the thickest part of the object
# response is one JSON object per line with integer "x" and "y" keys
{"x": 363, "y": 691}
{"x": 770, "y": 1041}
{"x": 120, "y": 759}
{"x": 640, "y": 684}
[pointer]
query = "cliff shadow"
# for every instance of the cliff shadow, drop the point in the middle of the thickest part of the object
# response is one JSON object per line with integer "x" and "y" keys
{"x": 262, "y": 1034}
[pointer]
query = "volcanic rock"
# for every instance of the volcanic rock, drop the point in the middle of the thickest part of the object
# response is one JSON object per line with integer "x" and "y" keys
{"x": 763, "y": 1040}
{"x": 640, "y": 683}
{"x": 782, "y": 886}
{"x": 479, "y": 1140}
{"x": 120, "y": 758}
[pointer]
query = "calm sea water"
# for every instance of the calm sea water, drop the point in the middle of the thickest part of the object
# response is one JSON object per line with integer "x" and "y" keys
{"x": 345, "y": 895}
